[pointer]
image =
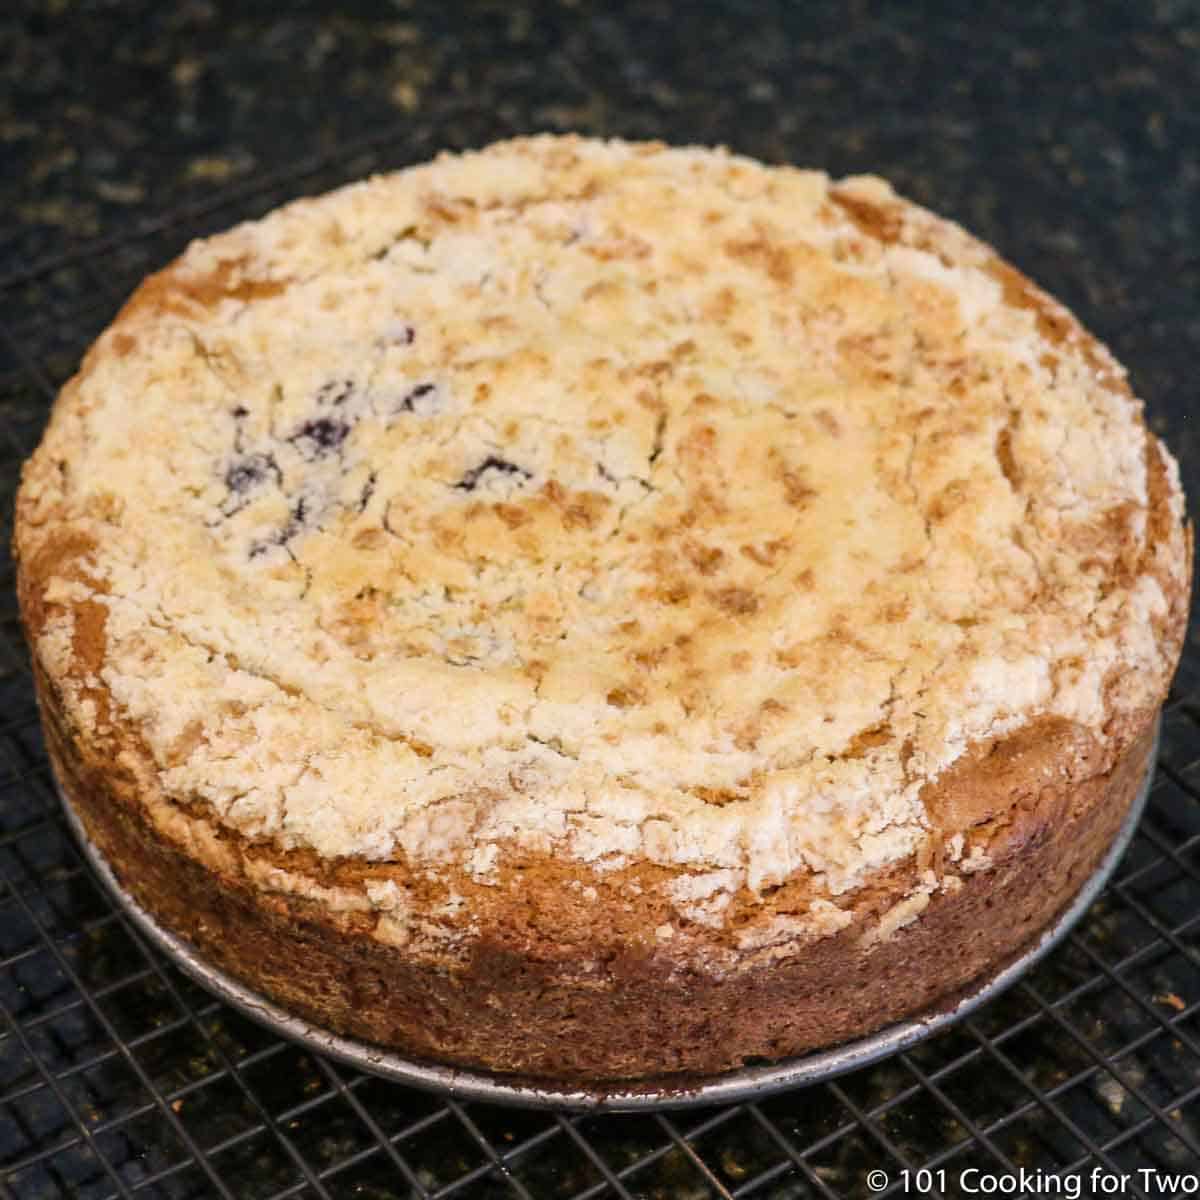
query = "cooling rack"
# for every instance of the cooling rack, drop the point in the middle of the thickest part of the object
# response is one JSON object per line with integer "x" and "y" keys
{"x": 119, "y": 1077}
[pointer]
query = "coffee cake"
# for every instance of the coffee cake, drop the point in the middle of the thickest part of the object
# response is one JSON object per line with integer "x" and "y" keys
{"x": 600, "y": 611}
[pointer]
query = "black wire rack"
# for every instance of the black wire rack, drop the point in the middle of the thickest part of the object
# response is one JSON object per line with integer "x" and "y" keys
{"x": 119, "y": 1077}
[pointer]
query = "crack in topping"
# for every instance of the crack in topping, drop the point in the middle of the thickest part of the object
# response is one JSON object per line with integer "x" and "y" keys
{"x": 472, "y": 478}
{"x": 424, "y": 400}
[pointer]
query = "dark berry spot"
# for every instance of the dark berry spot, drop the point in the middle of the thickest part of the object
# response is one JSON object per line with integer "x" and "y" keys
{"x": 320, "y": 437}
{"x": 241, "y": 412}
{"x": 471, "y": 479}
{"x": 247, "y": 473}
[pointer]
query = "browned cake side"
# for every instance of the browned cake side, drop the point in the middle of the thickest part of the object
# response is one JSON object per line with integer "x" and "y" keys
{"x": 517, "y": 1004}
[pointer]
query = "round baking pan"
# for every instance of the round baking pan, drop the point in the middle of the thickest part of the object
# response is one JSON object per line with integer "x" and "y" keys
{"x": 746, "y": 1083}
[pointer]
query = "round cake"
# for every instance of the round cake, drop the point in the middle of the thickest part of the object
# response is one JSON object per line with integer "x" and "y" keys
{"x": 599, "y": 611}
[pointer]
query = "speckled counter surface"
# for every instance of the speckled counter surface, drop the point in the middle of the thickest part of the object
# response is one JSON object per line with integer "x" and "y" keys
{"x": 1067, "y": 134}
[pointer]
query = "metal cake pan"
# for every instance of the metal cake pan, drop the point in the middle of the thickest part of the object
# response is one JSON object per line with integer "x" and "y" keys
{"x": 746, "y": 1083}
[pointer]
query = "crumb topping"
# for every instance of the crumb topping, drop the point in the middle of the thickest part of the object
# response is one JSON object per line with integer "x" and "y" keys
{"x": 611, "y": 500}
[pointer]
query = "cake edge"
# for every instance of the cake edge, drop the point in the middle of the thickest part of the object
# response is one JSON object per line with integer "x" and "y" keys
{"x": 643, "y": 1015}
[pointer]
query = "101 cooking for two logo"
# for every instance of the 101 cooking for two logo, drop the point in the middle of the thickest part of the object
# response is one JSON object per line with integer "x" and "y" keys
{"x": 974, "y": 1182}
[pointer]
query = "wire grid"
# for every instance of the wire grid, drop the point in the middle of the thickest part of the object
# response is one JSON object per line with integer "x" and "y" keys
{"x": 120, "y": 1078}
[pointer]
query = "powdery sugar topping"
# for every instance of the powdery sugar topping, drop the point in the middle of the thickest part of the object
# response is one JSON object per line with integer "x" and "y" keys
{"x": 621, "y": 502}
